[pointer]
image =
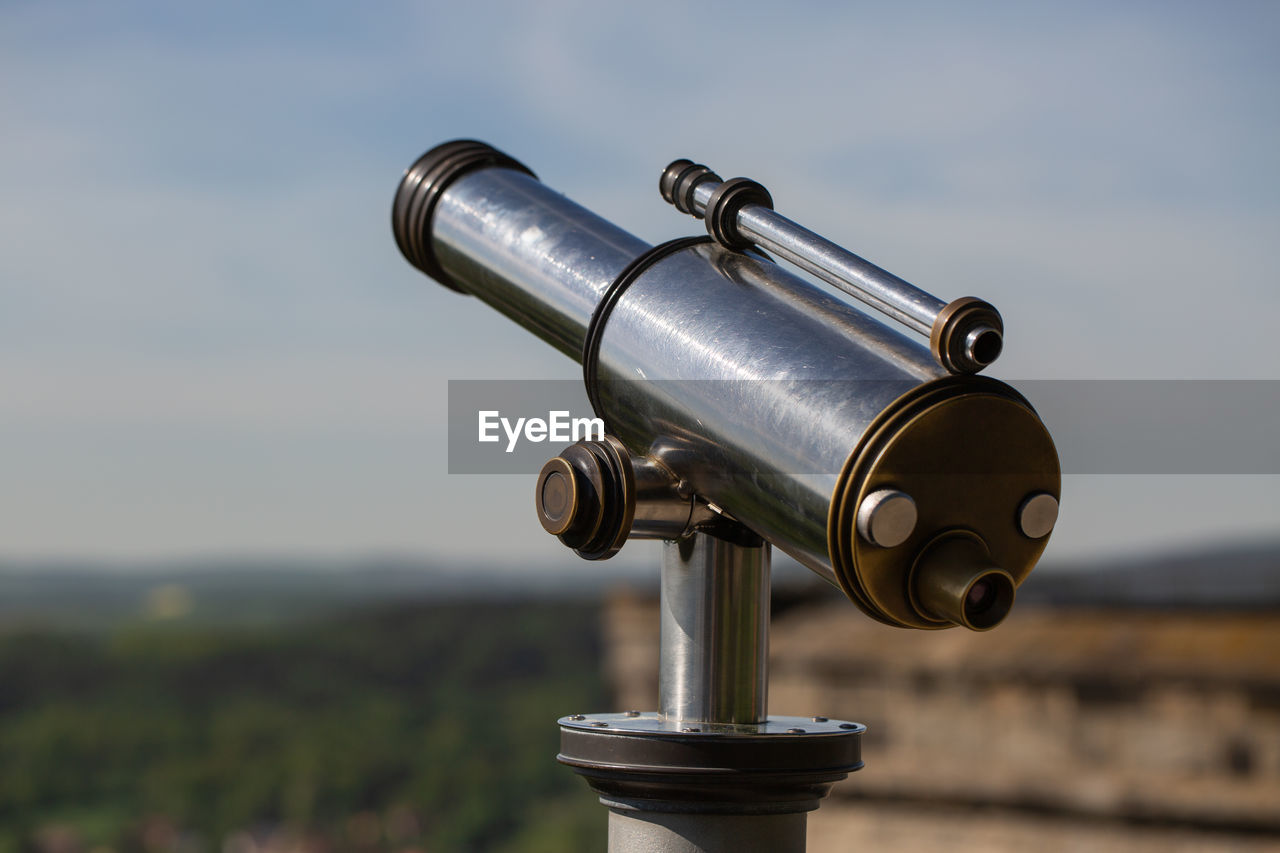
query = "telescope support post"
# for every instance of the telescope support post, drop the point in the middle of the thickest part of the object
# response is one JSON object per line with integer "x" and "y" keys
{"x": 715, "y": 631}
{"x": 711, "y": 772}
{"x": 665, "y": 832}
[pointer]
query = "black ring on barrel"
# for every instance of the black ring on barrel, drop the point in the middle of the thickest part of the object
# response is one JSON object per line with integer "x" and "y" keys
{"x": 420, "y": 189}
{"x": 723, "y": 206}
{"x": 600, "y": 316}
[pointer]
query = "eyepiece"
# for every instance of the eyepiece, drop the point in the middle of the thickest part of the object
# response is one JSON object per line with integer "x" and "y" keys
{"x": 988, "y": 600}
{"x": 954, "y": 581}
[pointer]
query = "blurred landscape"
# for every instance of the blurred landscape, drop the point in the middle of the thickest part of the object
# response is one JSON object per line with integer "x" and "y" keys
{"x": 298, "y": 711}
{"x": 390, "y": 706}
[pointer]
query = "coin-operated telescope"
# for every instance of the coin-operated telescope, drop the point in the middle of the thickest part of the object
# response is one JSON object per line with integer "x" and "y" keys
{"x": 746, "y": 408}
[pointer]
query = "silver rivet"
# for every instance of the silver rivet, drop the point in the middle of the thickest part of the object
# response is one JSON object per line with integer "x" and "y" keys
{"x": 795, "y": 731}
{"x": 578, "y": 717}
{"x": 633, "y": 713}
{"x": 1037, "y": 515}
{"x": 848, "y": 725}
{"x": 600, "y": 724}
{"x": 887, "y": 518}
{"x": 820, "y": 719}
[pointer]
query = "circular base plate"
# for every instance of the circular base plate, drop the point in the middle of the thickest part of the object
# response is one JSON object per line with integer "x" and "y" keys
{"x": 642, "y": 761}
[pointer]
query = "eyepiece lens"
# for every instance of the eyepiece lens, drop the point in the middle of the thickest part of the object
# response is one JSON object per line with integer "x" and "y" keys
{"x": 980, "y": 597}
{"x": 987, "y": 601}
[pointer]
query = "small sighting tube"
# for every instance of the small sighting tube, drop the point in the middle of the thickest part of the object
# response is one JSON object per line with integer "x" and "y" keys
{"x": 979, "y": 341}
{"x": 715, "y": 632}
{"x": 859, "y": 278}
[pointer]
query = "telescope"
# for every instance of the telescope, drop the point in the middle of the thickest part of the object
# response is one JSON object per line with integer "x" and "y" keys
{"x": 746, "y": 408}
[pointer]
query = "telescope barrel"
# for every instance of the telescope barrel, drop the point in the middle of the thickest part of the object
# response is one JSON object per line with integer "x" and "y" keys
{"x": 784, "y": 407}
{"x": 491, "y": 229}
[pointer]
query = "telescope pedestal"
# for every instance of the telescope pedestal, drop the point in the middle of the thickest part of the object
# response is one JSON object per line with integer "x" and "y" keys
{"x": 704, "y": 833}
{"x": 711, "y": 772}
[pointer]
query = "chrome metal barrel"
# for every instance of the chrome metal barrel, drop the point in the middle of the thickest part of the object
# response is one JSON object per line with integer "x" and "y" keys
{"x": 753, "y": 385}
{"x": 529, "y": 252}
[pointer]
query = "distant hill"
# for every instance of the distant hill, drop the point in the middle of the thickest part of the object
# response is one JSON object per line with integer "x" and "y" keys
{"x": 254, "y": 592}
{"x": 89, "y": 595}
{"x": 1228, "y": 577}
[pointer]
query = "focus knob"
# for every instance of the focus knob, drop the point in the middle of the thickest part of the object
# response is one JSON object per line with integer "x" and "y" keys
{"x": 586, "y": 497}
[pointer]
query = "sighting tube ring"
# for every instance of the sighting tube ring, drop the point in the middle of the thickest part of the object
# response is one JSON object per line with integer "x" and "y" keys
{"x": 420, "y": 189}
{"x": 967, "y": 335}
{"x": 721, "y": 213}
{"x": 680, "y": 179}
{"x": 600, "y": 316}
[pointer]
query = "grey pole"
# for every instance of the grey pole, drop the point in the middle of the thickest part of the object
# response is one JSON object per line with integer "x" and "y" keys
{"x": 664, "y": 832}
{"x": 715, "y": 632}
{"x": 713, "y": 673}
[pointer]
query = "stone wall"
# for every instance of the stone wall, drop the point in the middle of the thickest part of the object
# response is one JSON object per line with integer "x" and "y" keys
{"x": 1064, "y": 729}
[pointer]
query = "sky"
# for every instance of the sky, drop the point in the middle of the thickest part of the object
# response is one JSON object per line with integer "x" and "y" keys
{"x": 209, "y": 344}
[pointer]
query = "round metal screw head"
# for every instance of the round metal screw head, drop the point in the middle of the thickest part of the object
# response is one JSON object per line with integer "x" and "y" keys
{"x": 795, "y": 731}
{"x": 848, "y": 725}
{"x": 600, "y": 724}
{"x": 577, "y": 717}
{"x": 1037, "y": 515}
{"x": 887, "y": 518}
{"x": 820, "y": 719}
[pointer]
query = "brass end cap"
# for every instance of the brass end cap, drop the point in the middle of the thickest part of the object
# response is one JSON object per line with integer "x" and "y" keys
{"x": 975, "y": 458}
